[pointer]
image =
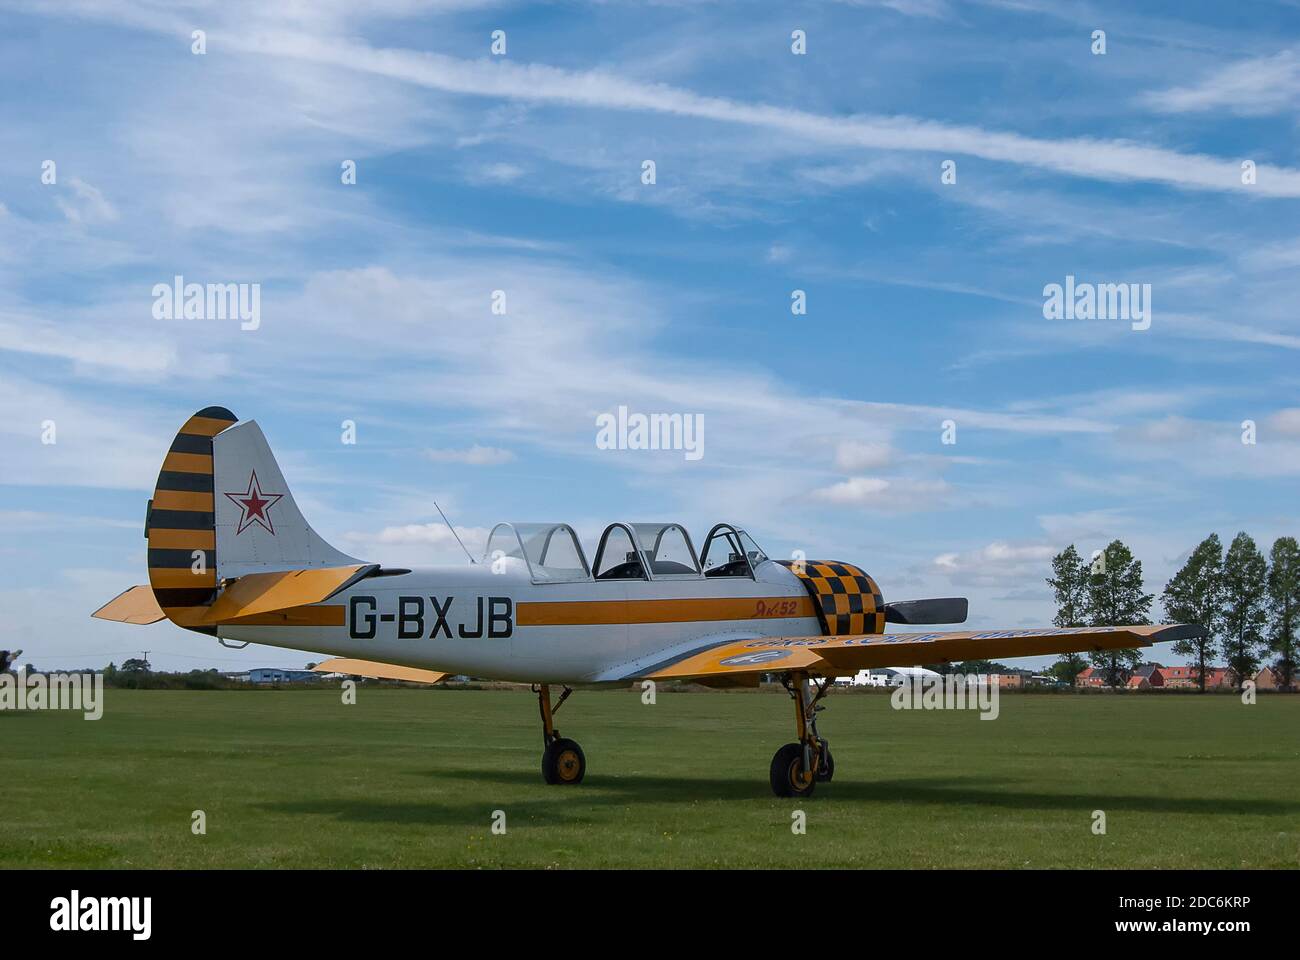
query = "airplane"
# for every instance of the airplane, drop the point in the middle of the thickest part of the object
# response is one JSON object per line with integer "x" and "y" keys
{"x": 231, "y": 556}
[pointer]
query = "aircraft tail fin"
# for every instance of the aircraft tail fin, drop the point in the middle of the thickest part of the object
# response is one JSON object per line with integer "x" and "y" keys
{"x": 222, "y": 510}
{"x": 259, "y": 528}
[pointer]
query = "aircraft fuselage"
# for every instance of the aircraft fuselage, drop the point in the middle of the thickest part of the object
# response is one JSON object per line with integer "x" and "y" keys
{"x": 474, "y": 621}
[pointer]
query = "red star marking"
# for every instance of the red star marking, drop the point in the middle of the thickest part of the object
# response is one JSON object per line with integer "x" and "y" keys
{"x": 255, "y": 506}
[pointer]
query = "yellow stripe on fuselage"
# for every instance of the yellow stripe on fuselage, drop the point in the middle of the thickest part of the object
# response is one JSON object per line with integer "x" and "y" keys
{"x": 564, "y": 613}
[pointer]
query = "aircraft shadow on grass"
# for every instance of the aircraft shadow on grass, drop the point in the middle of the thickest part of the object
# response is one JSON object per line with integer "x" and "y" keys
{"x": 569, "y": 806}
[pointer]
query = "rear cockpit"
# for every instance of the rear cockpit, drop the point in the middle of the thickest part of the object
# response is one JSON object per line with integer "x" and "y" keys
{"x": 552, "y": 553}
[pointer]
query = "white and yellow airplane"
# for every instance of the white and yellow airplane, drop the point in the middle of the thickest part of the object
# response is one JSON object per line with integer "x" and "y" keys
{"x": 231, "y": 556}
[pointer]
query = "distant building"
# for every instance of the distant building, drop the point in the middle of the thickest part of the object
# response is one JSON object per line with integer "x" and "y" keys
{"x": 1092, "y": 677}
{"x": 1270, "y": 679}
{"x": 1146, "y": 676}
{"x": 1189, "y": 674}
{"x": 276, "y": 675}
{"x": 887, "y": 676}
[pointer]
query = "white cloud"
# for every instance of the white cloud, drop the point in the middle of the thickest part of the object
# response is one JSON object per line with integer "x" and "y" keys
{"x": 88, "y": 205}
{"x": 540, "y": 83}
{"x": 1087, "y": 526}
{"x": 497, "y": 172}
{"x": 1286, "y": 422}
{"x": 476, "y": 455}
{"x": 859, "y": 491}
{"x": 416, "y": 544}
{"x": 434, "y": 534}
{"x": 95, "y": 444}
{"x": 889, "y": 496}
{"x": 123, "y": 351}
{"x": 853, "y": 456}
{"x": 1254, "y": 87}
{"x": 996, "y": 564}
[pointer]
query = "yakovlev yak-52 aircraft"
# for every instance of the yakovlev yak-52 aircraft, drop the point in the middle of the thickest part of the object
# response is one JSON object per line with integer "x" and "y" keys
{"x": 231, "y": 556}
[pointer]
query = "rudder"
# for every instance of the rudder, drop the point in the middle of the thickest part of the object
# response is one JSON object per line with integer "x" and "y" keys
{"x": 181, "y": 527}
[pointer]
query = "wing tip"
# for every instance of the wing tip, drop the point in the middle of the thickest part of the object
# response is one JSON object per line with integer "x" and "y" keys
{"x": 1178, "y": 631}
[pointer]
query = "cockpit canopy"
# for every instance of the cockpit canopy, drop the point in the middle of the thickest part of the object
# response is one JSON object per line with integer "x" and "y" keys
{"x": 551, "y": 553}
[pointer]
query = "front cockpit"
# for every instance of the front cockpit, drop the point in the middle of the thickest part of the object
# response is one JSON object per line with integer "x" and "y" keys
{"x": 552, "y": 553}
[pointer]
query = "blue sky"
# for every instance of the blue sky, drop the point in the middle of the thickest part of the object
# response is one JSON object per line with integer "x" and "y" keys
{"x": 774, "y": 172}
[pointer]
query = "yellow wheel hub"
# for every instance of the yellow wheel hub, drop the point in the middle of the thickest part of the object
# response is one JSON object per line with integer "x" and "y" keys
{"x": 567, "y": 765}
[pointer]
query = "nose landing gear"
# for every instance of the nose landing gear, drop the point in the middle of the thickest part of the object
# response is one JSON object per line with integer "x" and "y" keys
{"x": 563, "y": 761}
{"x": 798, "y": 767}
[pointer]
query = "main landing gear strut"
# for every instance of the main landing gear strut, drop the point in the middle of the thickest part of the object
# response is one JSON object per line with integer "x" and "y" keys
{"x": 797, "y": 767}
{"x": 562, "y": 760}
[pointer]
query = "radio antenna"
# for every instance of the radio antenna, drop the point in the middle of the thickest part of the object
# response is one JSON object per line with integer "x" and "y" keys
{"x": 454, "y": 533}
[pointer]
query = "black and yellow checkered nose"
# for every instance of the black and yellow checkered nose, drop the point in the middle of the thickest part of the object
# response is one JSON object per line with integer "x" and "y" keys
{"x": 848, "y": 601}
{"x": 182, "y": 528}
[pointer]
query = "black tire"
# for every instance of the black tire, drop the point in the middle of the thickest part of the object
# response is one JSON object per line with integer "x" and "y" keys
{"x": 827, "y": 769}
{"x": 786, "y": 773}
{"x": 563, "y": 762}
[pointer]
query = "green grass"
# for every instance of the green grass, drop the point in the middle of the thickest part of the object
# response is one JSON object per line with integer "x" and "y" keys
{"x": 410, "y": 778}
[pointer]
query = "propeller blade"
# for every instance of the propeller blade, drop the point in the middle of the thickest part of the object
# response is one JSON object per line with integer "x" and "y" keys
{"x": 937, "y": 610}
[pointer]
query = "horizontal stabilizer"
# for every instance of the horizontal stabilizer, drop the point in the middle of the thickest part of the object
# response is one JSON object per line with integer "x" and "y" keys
{"x": 136, "y": 605}
{"x": 379, "y": 671}
{"x": 258, "y": 594}
{"x": 937, "y": 610}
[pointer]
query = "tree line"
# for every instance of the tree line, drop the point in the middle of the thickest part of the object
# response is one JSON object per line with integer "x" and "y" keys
{"x": 1249, "y": 605}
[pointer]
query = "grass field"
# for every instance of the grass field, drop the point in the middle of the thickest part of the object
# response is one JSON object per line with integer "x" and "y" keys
{"x": 410, "y": 778}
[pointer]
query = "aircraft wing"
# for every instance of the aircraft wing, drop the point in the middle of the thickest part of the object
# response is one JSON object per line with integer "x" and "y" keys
{"x": 840, "y": 656}
{"x": 379, "y": 671}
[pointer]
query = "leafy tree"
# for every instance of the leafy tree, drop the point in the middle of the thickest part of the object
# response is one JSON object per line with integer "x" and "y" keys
{"x": 982, "y": 666}
{"x": 1284, "y": 605}
{"x": 1069, "y": 585}
{"x": 1245, "y": 610}
{"x": 1067, "y": 667}
{"x": 1195, "y": 595}
{"x": 1070, "y": 590}
{"x": 135, "y": 665}
{"x": 1115, "y": 597}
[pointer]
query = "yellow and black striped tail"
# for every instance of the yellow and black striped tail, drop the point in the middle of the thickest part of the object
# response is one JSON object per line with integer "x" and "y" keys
{"x": 181, "y": 524}
{"x": 848, "y": 601}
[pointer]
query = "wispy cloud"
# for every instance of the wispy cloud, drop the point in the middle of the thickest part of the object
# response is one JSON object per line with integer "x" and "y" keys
{"x": 1255, "y": 87}
{"x": 476, "y": 456}
{"x": 1078, "y": 156}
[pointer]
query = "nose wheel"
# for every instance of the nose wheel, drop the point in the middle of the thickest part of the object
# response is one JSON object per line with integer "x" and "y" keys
{"x": 563, "y": 761}
{"x": 798, "y": 767}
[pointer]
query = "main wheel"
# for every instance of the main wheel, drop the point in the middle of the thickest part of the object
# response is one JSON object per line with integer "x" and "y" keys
{"x": 563, "y": 762}
{"x": 787, "y": 773}
{"x": 827, "y": 769}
